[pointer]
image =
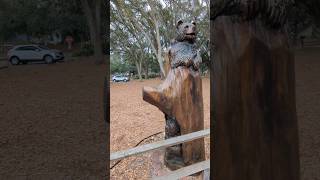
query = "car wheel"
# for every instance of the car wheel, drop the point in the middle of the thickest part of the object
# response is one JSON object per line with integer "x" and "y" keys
{"x": 114, "y": 80}
{"x": 48, "y": 59}
{"x": 14, "y": 60}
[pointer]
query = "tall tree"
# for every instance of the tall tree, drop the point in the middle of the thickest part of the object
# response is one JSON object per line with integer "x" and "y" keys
{"x": 92, "y": 11}
{"x": 152, "y": 23}
{"x": 41, "y": 18}
{"x": 145, "y": 24}
{"x": 125, "y": 40}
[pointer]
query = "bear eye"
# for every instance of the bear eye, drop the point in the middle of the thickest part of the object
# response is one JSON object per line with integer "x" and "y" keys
{"x": 186, "y": 26}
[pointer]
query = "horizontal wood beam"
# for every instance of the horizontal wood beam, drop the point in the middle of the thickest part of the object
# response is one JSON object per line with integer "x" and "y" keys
{"x": 186, "y": 171}
{"x": 159, "y": 144}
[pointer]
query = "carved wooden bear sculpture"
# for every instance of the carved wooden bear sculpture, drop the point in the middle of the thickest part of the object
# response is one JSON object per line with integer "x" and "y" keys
{"x": 179, "y": 97}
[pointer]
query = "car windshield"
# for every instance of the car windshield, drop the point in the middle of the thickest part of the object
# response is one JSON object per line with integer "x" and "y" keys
{"x": 43, "y": 47}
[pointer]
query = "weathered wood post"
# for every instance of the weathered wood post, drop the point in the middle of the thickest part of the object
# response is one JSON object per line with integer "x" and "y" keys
{"x": 255, "y": 132}
{"x": 179, "y": 97}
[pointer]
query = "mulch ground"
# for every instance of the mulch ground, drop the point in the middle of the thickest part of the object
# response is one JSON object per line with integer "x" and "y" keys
{"x": 132, "y": 119}
{"x": 52, "y": 126}
{"x": 51, "y": 120}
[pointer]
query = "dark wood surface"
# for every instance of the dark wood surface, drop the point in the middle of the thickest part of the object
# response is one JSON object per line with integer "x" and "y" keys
{"x": 255, "y": 132}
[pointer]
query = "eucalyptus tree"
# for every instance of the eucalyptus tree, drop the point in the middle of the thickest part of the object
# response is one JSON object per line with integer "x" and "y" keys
{"x": 154, "y": 22}
{"x": 143, "y": 18}
{"x": 124, "y": 39}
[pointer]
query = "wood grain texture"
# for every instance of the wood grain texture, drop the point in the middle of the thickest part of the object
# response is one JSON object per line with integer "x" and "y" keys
{"x": 180, "y": 96}
{"x": 255, "y": 124}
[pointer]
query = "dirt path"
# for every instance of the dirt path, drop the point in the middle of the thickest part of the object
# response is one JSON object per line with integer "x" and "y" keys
{"x": 51, "y": 120}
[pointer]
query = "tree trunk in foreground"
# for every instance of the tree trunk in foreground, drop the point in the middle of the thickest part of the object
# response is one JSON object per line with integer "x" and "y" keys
{"x": 255, "y": 124}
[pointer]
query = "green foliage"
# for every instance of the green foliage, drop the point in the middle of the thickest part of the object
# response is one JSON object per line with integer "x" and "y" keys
{"x": 117, "y": 66}
{"x": 134, "y": 28}
{"x": 85, "y": 50}
{"x": 152, "y": 75}
{"x": 41, "y": 17}
{"x": 153, "y": 65}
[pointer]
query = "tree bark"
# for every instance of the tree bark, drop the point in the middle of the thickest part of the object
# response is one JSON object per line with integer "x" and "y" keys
{"x": 146, "y": 70}
{"x": 93, "y": 16}
{"x": 255, "y": 127}
{"x": 138, "y": 66}
{"x": 158, "y": 50}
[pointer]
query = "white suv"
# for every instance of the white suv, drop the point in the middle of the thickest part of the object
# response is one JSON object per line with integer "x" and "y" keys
{"x": 26, "y": 53}
{"x": 117, "y": 78}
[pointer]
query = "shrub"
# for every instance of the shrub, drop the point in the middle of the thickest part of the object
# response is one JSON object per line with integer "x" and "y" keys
{"x": 85, "y": 50}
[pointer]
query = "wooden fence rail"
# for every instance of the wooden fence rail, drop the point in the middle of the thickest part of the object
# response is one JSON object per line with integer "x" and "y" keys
{"x": 186, "y": 171}
{"x": 159, "y": 144}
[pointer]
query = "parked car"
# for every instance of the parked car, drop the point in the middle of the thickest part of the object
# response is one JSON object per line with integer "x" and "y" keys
{"x": 118, "y": 78}
{"x": 26, "y": 53}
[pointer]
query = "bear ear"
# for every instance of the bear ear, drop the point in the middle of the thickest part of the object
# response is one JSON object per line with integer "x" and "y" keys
{"x": 179, "y": 23}
{"x": 193, "y": 22}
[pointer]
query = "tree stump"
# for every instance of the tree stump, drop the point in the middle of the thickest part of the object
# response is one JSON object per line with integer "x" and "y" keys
{"x": 255, "y": 124}
{"x": 179, "y": 97}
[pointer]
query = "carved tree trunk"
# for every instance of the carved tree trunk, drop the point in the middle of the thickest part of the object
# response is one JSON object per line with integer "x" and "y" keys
{"x": 255, "y": 124}
{"x": 179, "y": 97}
